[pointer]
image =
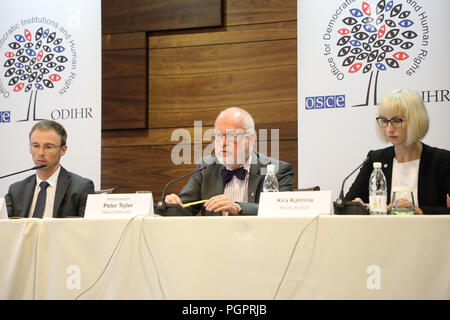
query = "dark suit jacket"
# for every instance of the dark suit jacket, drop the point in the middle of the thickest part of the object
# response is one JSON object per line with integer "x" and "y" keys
{"x": 433, "y": 183}
{"x": 70, "y": 196}
{"x": 208, "y": 183}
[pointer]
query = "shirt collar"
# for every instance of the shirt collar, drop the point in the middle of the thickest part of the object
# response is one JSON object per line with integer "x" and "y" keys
{"x": 245, "y": 165}
{"x": 52, "y": 180}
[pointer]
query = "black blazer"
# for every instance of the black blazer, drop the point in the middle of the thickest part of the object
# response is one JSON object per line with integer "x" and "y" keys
{"x": 433, "y": 184}
{"x": 70, "y": 196}
{"x": 208, "y": 183}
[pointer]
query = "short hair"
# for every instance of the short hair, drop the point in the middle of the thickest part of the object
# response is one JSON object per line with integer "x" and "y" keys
{"x": 48, "y": 125}
{"x": 409, "y": 104}
{"x": 249, "y": 123}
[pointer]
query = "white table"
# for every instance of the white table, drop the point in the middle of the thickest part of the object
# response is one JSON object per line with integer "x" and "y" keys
{"x": 326, "y": 257}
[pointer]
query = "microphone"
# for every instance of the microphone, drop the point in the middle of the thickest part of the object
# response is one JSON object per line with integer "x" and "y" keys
{"x": 162, "y": 206}
{"x": 34, "y": 168}
{"x": 349, "y": 207}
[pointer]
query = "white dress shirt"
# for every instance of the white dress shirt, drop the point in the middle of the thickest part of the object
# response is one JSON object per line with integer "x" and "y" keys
{"x": 51, "y": 191}
{"x": 237, "y": 190}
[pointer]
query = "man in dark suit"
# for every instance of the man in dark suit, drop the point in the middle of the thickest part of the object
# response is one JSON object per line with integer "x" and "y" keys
{"x": 234, "y": 176}
{"x": 52, "y": 191}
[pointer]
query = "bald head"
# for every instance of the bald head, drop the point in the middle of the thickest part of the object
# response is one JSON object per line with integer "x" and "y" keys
{"x": 237, "y": 118}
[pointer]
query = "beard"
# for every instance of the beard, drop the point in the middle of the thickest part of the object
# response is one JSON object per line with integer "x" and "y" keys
{"x": 231, "y": 158}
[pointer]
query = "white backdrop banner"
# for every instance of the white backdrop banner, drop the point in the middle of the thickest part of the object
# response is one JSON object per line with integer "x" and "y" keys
{"x": 50, "y": 68}
{"x": 350, "y": 54}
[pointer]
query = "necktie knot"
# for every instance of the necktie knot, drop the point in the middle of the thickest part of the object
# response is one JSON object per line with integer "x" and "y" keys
{"x": 43, "y": 185}
{"x": 227, "y": 175}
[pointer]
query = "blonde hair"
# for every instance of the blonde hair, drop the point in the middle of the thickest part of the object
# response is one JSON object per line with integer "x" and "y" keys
{"x": 409, "y": 104}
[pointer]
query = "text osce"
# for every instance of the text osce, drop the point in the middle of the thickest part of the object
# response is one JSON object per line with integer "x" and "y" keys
{"x": 325, "y": 102}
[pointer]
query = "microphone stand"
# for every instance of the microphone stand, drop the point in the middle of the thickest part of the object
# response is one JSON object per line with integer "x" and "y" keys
{"x": 349, "y": 207}
{"x": 165, "y": 209}
{"x": 34, "y": 168}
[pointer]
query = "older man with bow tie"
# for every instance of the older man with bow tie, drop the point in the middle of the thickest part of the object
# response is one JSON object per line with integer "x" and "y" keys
{"x": 233, "y": 178}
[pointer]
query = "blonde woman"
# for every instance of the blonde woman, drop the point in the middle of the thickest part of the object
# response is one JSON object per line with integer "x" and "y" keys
{"x": 402, "y": 121}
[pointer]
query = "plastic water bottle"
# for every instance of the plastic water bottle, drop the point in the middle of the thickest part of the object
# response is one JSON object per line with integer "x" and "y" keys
{"x": 377, "y": 191}
{"x": 270, "y": 181}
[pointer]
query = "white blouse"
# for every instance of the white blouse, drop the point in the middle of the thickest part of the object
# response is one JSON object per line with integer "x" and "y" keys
{"x": 406, "y": 174}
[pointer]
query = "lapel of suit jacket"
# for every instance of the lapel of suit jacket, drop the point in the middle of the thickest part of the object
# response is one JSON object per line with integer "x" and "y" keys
{"x": 213, "y": 184}
{"x": 28, "y": 196}
{"x": 217, "y": 186}
{"x": 61, "y": 188}
{"x": 387, "y": 166}
{"x": 254, "y": 178}
{"x": 424, "y": 173}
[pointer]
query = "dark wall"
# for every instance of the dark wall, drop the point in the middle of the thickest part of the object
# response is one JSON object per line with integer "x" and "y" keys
{"x": 155, "y": 82}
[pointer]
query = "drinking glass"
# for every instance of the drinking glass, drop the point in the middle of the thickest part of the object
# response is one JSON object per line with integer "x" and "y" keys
{"x": 402, "y": 201}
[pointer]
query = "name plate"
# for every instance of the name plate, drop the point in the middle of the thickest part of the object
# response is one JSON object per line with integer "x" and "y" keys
{"x": 3, "y": 210}
{"x": 296, "y": 203}
{"x": 119, "y": 205}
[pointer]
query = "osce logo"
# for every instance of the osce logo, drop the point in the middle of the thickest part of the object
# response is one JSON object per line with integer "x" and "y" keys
{"x": 325, "y": 102}
{"x": 5, "y": 116}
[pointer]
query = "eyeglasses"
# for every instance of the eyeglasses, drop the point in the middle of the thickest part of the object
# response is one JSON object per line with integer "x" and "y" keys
{"x": 45, "y": 147}
{"x": 229, "y": 135}
{"x": 395, "y": 122}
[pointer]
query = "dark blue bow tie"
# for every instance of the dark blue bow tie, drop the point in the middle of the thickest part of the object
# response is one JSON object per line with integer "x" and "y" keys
{"x": 227, "y": 175}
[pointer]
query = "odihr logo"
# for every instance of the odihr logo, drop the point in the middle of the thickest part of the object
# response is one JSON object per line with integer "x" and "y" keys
{"x": 34, "y": 60}
{"x": 366, "y": 39}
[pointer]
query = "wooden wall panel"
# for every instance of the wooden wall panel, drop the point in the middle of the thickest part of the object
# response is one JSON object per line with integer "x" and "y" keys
{"x": 234, "y": 34}
{"x": 240, "y": 12}
{"x": 121, "y": 23}
{"x": 124, "y": 89}
{"x": 222, "y": 58}
{"x": 163, "y": 136}
{"x": 258, "y": 74}
{"x": 193, "y": 74}
{"x": 149, "y": 168}
{"x": 140, "y": 168}
{"x": 173, "y": 95}
{"x": 124, "y": 41}
{"x": 148, "y": 15}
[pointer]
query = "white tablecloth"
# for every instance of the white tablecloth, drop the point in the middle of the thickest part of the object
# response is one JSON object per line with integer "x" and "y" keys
{"x": 325, "y": 257}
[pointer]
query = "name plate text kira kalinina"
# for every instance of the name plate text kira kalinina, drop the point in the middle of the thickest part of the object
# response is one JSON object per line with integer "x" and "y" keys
{"x": 296, "y": 203}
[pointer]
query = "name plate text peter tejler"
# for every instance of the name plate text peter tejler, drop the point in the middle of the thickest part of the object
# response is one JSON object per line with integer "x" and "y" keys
{"x": 119, "y": 205}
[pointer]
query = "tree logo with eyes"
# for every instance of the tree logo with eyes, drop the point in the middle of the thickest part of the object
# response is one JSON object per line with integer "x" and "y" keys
{"x": 33, "y": 63}
{"x": 375, "y": 40}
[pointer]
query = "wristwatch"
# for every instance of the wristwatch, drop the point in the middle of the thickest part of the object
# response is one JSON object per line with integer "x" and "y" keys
{"x": 238, "y": 208}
